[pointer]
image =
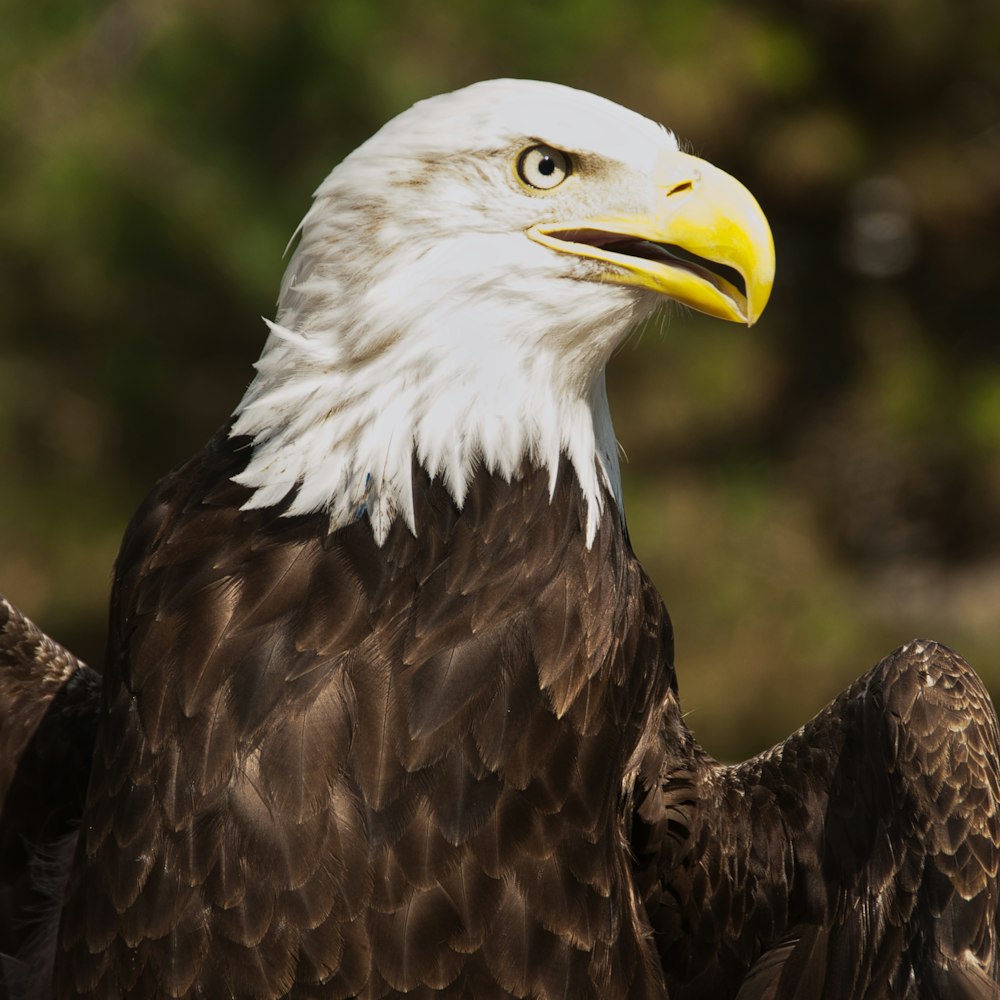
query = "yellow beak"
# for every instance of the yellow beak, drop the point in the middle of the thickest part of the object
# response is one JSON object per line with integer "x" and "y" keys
{"x": 704, "y": 241}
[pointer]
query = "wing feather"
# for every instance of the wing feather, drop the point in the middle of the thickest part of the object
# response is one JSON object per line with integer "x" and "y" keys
{"x": 858, "y": 858}
{"x": 49, "y": 703}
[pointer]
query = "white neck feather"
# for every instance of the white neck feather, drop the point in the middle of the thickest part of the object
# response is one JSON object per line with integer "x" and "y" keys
{"x": 416, "y": 317}
{"x": 344, "y": 439}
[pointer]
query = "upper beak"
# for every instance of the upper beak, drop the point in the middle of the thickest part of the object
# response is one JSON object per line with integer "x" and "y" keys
{"x": 704, "y": 241}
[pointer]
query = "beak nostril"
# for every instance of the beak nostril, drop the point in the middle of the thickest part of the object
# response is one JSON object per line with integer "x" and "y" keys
{"x": 680, "y": 188}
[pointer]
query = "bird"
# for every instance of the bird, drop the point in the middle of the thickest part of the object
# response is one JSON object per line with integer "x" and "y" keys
{"x": 389, "y": 706}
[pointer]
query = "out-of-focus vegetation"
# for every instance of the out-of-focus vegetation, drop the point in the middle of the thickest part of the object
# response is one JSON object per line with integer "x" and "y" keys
{"x": 807, "y": 495}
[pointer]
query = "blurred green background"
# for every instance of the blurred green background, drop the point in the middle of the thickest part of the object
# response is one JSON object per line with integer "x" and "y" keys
{"x": 807, "y": 495}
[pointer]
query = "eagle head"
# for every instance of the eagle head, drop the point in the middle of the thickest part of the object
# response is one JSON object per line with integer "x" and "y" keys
{"x": 460, "y": 282}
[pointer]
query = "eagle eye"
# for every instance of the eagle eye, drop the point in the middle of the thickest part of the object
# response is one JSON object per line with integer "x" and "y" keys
{"x": 543, "y": 167}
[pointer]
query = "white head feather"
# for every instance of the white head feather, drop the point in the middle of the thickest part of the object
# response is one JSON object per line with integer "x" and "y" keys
{"x": 417, "y": 317}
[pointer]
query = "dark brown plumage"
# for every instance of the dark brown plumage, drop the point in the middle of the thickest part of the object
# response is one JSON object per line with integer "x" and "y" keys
{"x": 49, "y": 705}
{"x": 396, "y": 768}
{"x": 858, "y": 858}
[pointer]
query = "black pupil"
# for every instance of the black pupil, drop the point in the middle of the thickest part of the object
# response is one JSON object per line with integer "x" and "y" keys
{"x": 546, "y": 166}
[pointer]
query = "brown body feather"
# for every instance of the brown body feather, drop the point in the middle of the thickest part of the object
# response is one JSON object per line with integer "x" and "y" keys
{"x": 331, "y": 769}
{"x": 455, "y": 766}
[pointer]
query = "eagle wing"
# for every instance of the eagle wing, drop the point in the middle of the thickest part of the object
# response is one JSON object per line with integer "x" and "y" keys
{"x": 48, "y": 715}
{"x": 856, "y": 859}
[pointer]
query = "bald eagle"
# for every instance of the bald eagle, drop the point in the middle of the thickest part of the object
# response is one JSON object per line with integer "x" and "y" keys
{"x": 389, "y": 706}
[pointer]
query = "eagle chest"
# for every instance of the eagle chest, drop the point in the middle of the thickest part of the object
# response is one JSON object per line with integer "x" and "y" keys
{"x": 325, "y": 753}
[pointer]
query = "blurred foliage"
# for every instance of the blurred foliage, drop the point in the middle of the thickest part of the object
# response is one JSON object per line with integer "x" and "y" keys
{"x": 807, "y": 496}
